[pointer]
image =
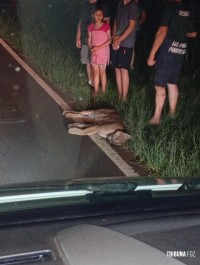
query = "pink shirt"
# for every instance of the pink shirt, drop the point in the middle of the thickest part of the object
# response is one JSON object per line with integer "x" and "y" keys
{"x": 99, "y": 37}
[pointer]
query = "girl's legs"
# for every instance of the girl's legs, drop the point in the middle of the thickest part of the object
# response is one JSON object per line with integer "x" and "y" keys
{"x": 103, "y": 78}
{"x": 96, "y": 79}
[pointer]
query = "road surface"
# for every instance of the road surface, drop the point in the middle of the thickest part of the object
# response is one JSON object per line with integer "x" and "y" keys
{"x": 34, "y": 143}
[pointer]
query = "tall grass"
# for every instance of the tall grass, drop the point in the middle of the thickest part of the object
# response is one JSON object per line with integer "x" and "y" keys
{"x": 45, "y": 35}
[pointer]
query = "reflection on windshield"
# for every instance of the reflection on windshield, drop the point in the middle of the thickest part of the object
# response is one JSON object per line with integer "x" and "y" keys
{"x": 136, "y": 61}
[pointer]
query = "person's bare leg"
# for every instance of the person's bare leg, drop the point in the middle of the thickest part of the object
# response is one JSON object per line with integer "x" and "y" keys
{"x": 96, "y": 79}
{"x": 89, "y": 69}
{"x": 132, "y": 60}
{"x": 125, "y": 83}
{"x": 91, "y": 75}
{"x": 119, "y": 81}
{"x": 103, "y": 78}
{"x": 173, "y": 98}
{"x": 159, "y": 103}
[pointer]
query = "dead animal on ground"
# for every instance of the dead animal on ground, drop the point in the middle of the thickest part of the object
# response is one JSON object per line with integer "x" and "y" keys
{"x": 105, "y": 122}
{"x": 94, "y": 116}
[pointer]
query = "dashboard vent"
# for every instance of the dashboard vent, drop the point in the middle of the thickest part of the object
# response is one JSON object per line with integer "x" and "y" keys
{"x": 27, "y": 258}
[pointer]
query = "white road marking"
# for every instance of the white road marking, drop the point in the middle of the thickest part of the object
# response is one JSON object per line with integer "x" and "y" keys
{"x": 36, "y": 77}
{"x": 103, "y": 145}
{"x": 114, "y": 156}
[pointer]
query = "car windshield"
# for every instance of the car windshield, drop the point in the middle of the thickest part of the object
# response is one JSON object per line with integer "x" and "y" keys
{"x": 98, "y": 92}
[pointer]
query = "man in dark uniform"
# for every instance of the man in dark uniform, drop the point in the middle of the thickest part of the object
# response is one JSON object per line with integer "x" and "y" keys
{"x": 171, "y": 44}
{"x": 82, "y": 33}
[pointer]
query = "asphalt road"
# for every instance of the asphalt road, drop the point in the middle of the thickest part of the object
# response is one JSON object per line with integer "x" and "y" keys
{"x": 34, "y": 142}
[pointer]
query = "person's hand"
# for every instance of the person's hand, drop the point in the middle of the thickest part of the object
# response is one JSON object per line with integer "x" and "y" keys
{"x": 78, "y": 43}
{"x": 151, "y": 61}
{"x": 116, "y": 43}
{"x": 94, "y": 49}
{"x": 114, "y": 38}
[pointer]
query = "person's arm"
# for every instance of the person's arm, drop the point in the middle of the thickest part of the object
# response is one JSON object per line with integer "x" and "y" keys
{"x": 114, "y": 31}
{"x": 160, "y": 36}
{"x": 128, "y": 31}
{"x": 191, "y": 34}
{"x": 114, "y": 37}
{"x": 108, "y": 42}
{"x": 142, "y": 17}
{"x": 192, "y": 28}
{"x": 89, "y": 39}
{"x": 124, "y": 35}
{"x": 107, "y": 20}
{"x": 78, "y": 35}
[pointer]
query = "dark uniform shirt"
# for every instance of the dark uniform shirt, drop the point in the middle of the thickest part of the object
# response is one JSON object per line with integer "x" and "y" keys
{"x": 177, "y": 17}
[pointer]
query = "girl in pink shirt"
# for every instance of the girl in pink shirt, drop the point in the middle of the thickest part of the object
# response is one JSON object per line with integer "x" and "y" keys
{"x": 99, "y": 39}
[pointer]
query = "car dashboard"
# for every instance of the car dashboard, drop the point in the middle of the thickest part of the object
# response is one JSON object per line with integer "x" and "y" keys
{"x": 141, "y": 238}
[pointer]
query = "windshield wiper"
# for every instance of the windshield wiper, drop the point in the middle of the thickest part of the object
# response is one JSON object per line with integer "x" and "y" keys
{"x": 190, "y": 185}
{"x": 96, "y": 197}
{"x": 188, "y": 188}
{"x": 93, "y": 190}
{"x": 102, "y": 188}
{"x": 64, "y": 192}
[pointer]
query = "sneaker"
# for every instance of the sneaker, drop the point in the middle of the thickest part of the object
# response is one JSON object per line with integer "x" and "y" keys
{"x": 90, "y": 83}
